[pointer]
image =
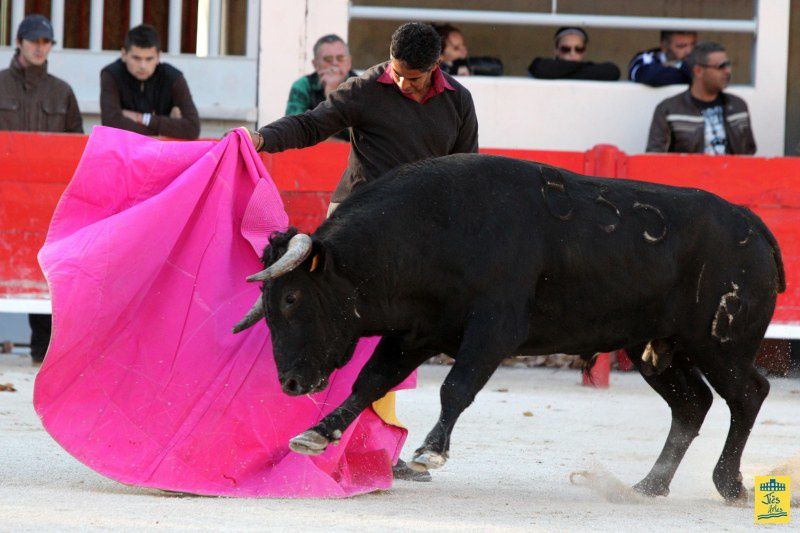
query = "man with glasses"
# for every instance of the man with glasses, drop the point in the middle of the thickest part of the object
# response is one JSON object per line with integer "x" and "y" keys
{"x": 569, "y": 60}
{"x": 332, "y": 65}
{"x": 664, "y": 65}
{"x": 31, "y": 99}
{"x": 703, "y": 119}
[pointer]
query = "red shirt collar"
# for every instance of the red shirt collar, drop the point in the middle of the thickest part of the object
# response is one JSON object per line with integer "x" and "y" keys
{"x": 438, "y": 85}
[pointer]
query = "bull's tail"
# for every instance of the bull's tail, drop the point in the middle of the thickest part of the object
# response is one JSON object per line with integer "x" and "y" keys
{"x": 776, "y": 251}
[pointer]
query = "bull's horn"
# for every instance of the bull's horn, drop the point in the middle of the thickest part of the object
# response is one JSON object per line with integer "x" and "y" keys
{"x": 297, "y": 252}
{"x": 255, "y": 314}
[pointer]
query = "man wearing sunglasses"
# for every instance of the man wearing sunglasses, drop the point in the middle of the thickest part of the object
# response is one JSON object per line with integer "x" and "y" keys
{"x": 704, "y": 119}
{"x": 568, "y": 60}
{"x": 332, "y": 64}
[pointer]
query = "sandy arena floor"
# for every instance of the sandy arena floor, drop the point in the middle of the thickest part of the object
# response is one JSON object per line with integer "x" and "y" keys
{"x": 507, "y": 471}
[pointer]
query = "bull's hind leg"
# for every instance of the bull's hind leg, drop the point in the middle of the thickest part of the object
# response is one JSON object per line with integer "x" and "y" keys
{"x": 689, "y": 399}
{"x": 734, "y": 377}
{"x": 491, "y": 335}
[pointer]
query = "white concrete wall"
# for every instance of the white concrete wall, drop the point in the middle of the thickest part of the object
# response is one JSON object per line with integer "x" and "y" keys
{"x": 575, "y": 115}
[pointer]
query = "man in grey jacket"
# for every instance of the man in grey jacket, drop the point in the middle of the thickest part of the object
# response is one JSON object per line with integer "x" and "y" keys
{"x": 704, "y": 119}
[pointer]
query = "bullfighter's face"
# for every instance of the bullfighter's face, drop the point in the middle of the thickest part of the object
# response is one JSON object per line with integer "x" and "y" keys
{"x": 311, "y": 334}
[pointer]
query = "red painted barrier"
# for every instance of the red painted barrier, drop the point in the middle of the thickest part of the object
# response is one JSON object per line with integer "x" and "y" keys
{"x": 35, "y": 168}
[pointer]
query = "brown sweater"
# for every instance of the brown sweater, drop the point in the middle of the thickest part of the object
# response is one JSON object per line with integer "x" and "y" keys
{"x": 33, "y": 100}
{"x": 388, "y": 129}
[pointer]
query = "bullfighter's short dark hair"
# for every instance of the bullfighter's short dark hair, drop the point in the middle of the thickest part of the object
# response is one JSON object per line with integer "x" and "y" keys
{"x": 416, "y": 44}
{"x": 143, "y": 36}
{"x": 699, "y": 54}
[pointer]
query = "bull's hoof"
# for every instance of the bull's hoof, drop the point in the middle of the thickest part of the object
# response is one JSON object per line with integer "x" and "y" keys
{"x": 427, "y": 459}
{"x": 735, "y": 495}
{"x": 403, "y": 471}
{"x": 731, "y": 488}
{"x": 309, "y": 443}
{"x": 650, "y": 488}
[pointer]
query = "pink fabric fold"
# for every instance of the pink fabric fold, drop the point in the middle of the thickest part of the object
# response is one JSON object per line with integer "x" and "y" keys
{"x": 146, "y": 259}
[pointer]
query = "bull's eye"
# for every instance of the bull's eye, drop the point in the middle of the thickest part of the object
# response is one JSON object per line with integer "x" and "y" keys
{"x": 289, "y": 299}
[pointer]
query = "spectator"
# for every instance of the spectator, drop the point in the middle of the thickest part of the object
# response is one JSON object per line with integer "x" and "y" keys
{"x": 664, "y": 65}
{"x": 455, "y": 59}
{"x": 401, "y": 111}
{"x": 703, "y": 119}
{"x": 332, "y": 65}
{"x": 568, "y": 61}
{"x": 33, "y": 100}
{"x": 139, "y": 93}
{"x": 453, "y": 48}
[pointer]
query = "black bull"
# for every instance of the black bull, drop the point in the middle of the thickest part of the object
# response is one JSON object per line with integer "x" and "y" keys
{"x": 482, "y": 257}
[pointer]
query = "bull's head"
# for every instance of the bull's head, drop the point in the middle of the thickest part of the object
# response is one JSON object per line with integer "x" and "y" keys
{"x": 304, "y": 301}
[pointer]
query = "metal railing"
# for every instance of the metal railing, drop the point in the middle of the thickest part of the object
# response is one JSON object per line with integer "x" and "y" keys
{"x": 519, "y": 18}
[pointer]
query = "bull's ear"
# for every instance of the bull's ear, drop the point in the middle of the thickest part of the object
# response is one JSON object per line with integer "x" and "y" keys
{"x": 318, "y": 257}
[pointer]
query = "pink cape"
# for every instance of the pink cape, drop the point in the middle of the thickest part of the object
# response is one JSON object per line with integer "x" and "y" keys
{"x": 146, "y": 259}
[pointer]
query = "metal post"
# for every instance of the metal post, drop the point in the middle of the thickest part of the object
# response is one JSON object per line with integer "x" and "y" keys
{"x": 214, "y": 17}
{"x": 96, "y": 26}
{"x": 136, "y": 12}
{"x": 175, "y": 19}
{"x": 57, "y": 18}
{"x": 253, "y": 16}
{"x": 17, "y": 14}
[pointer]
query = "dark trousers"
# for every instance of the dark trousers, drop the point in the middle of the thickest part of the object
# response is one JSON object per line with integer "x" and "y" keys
{"x": 41, "y": 325}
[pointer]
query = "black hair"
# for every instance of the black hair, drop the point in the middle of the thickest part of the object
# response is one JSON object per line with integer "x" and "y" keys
{"x": 444, "y": 31}
{"x": 666, "y": 35}
{"x": 699, "y": 54}
{"x": 143, "y": 36}
{"x": 416, "y": 44}
{"x": 327, "y": 39}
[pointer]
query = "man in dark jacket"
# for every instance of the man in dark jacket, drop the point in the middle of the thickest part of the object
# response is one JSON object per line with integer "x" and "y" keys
{"x": 30, "y": 98}
{"x": 139, "y": 93}
{"x": 664, "y": 65}
{"x": 569, "y": 62}
{"x": 704, "y": 119}
{"x": 33, "y": 100}
{"x": 400, "y": 111}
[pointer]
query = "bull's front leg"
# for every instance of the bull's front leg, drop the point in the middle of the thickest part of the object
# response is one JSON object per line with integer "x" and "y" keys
{"x": 387, "y": 368}
{"x": 491, "y": 335}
